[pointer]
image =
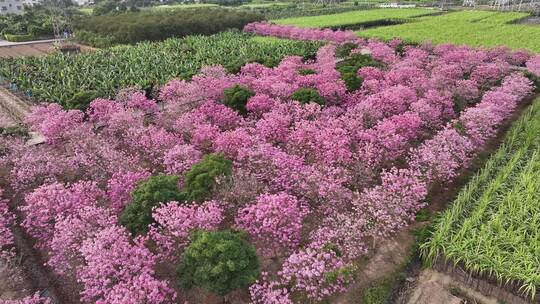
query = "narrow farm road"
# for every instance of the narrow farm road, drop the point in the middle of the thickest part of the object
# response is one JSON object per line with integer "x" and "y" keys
{"x": 13, "y": 109}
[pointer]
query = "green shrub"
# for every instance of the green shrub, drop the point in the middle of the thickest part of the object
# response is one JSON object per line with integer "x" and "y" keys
{"x": 343, "y": 272}
{"x": 219, "y": 261}
{"x": 106, "y": 7}
{"x": 158, "y": 25}
{"x": 344, "y": 50}
{"x": 201, "y": 178}
{"x": 352, "y": 81}
{"x": 459, "y": 104}
{"x": 45, "y": 29}
{"x": 307, "y": 95}
{"x": 35, "y": 22}
{"x": 150, "y": 193}
{"x": 236, "y": 98}
{"x": 378, "y": 294}
{"x": 535, "y": 79}
{"x": 81, "y": 100}
{"x": 349, "y": 69}
{"x": 306, "y": 72}
{"x": 91, "y": 39}
{"x": 422, "y": 215}
{"x": 19, "y": 38}
{"x": 58, "y": 77}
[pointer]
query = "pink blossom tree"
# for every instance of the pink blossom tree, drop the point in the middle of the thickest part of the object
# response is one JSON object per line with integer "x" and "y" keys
{"x": 175, "y": 222}
{"x": 114, "y": 268}
{"x": 274, "y": 222}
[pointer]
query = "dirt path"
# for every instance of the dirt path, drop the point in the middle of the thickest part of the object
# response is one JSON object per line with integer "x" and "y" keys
{"x": 33, "y": 276}
{"x": 13, "y": 109}
{"x": 28, "y": 274}
{"x": 34, "y": 49}
{"x": 434, "y": 287}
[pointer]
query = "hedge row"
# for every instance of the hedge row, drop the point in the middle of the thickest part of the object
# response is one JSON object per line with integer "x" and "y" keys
{"x": 133, "y": 27}
{"x": 19, "y": 38}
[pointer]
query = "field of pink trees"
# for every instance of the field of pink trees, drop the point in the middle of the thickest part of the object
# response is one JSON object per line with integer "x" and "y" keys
{"x": 311, "y": 173}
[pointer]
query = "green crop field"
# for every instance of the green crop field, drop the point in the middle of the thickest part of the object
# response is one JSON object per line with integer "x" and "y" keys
{"x": 493, "y": 226}
{"x": 59, "y": 77}
{"x": 354, "y": 17}
{"x": 475, "y": 28}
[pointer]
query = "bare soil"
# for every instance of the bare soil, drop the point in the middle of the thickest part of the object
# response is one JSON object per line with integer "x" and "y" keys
{"x": 12, "y": 107}
{"x": 34, "y": 49}
{"x": 32, "y": 276}
{"x": 434, "y": 287}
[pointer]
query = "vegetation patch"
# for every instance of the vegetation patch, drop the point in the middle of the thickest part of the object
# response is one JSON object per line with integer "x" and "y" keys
{"x": 149, "y": 194}
{"x": 349, "y": 68}
{"x": 236, "y": 98}
{"x": 35, "y": 22}
{"x": 307, "y": 95}
{"x": 474, "y": 28}
{"x": 219, "y": 262}
{"x": 354, "y": 17}
{"x": 60, "y": 78}
{"x": 133, "y": 27}
{"x": 19, "y": 38}
{"x": 492, "y": 226}
{"x": 204, "y": 175}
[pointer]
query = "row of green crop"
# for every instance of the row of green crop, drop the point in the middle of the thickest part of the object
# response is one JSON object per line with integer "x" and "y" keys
{"x": 474, "y": 28}
{"x": 354, "y": 17}
{"x": 493, "y": 226}
{"x": 60, "y": 78}
{"x": 308, "y": 9}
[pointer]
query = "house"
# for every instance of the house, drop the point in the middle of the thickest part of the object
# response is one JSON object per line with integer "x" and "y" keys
{"x": 31, "y": 2}
{"x": 11, "y": 7}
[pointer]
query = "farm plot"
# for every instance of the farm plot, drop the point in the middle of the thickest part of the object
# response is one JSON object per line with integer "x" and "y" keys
{"x": 74, "y": 80}
{"x": 492, "y": 227}
{"x": 286, "y": 175}
{"x": 354, "y": 17}
{"x": 474, "y": 28}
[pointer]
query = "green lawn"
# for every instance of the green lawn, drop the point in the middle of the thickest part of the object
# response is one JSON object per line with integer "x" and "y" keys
{"x": 475, "y": 28}
{"x": 354, "y": 17}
